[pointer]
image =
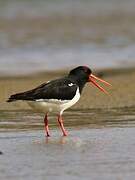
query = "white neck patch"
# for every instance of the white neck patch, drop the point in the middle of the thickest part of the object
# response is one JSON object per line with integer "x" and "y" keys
{"x": 71, "y": 84}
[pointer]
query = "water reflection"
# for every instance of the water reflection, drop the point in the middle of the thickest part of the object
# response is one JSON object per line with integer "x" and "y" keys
{"x": 69, "y": 140}
{"x": 62, "y": 140}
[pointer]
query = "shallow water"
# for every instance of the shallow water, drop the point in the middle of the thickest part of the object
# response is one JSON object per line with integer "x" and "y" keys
{"x": 100, "y": 145}
{"x": 92, "y": 118}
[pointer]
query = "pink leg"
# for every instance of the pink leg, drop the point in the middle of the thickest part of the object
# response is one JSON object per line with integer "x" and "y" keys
{"x": 60, "y": 120}
{"x": 46, "y": 126}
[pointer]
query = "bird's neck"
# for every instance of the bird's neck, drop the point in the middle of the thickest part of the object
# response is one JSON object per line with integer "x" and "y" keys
{"x": 79, "y": 81}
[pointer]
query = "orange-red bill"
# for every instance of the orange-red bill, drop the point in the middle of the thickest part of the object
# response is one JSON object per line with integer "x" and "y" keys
{"x": 93, "y": 78}
{"x": 101, "y": 80}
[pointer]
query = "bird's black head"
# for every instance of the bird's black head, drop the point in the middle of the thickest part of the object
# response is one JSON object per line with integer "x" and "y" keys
{"x": 82, "y": 74}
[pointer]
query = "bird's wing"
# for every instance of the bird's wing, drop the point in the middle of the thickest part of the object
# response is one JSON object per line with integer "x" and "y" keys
{"x": 63, "y": 89}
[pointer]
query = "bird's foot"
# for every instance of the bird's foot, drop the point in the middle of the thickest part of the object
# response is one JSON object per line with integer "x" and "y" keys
{"x": 65, "y": 133}
{"x": 48, "y": 134}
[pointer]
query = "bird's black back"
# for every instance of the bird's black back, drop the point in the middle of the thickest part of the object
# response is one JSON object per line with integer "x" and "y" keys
{"x": 62, "y": 89}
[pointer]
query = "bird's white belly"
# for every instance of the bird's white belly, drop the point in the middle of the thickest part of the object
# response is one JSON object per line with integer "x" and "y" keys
{"x": 53, "y": 105}
{"x": 45, "y": 106}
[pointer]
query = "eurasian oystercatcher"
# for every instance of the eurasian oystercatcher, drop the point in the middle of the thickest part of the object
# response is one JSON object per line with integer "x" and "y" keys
{"x": 58, "y": 95}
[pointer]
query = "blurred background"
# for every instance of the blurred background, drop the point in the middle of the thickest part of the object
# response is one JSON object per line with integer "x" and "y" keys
{"x": 54, "y": 34}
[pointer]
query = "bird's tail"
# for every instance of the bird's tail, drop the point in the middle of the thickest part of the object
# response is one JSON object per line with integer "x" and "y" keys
{"x": 15, "y": 97}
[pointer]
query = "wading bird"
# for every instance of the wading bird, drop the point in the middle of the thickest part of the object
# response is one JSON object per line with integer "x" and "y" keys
{"x": 59, "y": 94}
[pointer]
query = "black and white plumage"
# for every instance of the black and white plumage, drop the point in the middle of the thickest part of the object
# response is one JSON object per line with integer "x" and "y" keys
{"x": 58, "y": 95}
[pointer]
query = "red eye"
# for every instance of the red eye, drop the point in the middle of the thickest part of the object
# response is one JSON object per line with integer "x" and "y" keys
{"x": 85, "y": 69}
